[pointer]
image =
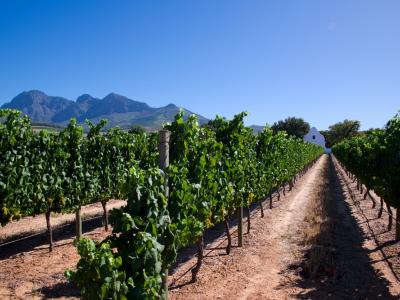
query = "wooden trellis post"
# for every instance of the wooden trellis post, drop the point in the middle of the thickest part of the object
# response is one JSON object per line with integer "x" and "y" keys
{"x": 78, "y": 222}
{"x": 163, "y": 161}
{"x": 240, "y": 226}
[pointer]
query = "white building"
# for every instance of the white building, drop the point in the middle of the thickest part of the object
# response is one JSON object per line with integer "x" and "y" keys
{"x": 315, "y": 137}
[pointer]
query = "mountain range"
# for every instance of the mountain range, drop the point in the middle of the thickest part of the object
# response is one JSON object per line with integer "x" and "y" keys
{"x": 117, "y": 109}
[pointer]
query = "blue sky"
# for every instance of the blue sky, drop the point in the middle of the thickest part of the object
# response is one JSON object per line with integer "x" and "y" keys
{"x": 321, "y": 60}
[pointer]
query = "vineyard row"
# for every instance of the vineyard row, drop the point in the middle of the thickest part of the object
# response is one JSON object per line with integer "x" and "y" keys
{"x": 373, "y": 160}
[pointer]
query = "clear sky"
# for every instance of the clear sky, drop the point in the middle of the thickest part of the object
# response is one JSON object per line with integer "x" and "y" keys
{"x": 321, "y": 60}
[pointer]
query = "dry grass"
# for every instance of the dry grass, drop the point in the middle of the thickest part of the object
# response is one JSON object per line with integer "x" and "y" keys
{"x": 317, "y": 234}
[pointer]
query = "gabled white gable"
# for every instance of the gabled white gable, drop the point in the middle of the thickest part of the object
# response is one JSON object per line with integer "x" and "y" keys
{"x": 315, "y": 137}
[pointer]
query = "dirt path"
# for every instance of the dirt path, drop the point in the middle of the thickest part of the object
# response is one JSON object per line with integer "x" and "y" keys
{"x": 343, "y": 245}
{"x": 258, "y": 270}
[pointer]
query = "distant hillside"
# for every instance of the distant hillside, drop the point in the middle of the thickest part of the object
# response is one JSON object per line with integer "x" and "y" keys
{"x": 257, "y": 128}
{"x": 119, "y": 110}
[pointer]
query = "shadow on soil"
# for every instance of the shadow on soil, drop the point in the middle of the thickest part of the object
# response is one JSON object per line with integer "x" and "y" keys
{"x": 60, "y": 290}
{"x": 353, "y": 276}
